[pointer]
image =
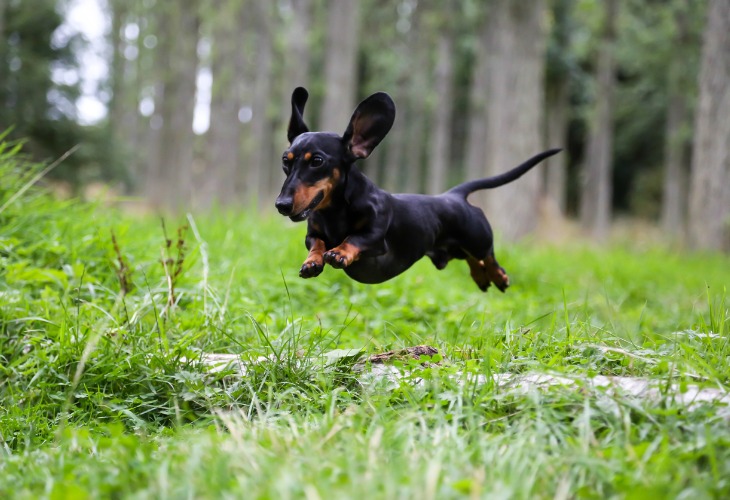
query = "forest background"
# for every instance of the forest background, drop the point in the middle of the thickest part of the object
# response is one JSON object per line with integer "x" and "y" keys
{"x": 193, "y": 96}
{"x": 181, "y": 356}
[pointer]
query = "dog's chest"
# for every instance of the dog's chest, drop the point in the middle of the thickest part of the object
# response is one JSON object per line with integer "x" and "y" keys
{"x": 335, "y": 227}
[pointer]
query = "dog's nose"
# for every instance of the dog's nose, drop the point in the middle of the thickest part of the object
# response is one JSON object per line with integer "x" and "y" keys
{"x": 284, "y": 205}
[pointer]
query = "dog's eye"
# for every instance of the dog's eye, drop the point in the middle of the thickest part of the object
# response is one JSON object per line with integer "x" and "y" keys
{"x": 317, "y": 161}
{"x": 286, "y": 165}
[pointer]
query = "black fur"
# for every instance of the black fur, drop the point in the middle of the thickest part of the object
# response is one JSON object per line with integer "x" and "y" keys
{"x": 371, "y": 234}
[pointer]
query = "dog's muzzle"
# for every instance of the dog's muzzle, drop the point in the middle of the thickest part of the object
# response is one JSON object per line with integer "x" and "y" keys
{"x": 286, "y": 205}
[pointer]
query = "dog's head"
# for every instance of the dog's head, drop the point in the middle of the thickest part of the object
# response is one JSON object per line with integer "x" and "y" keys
{"x": 316, "y": 162}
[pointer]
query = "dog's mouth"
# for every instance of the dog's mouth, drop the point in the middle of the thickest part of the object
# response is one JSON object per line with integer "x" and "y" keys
{"x": 308, "y": 211}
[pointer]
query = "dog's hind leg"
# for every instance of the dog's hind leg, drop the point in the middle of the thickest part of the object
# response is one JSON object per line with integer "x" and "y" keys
{"x": 478, "y": 273}
{"x": 476, "y": 242}
{"x": 496, "y": 273}
{"x": 486, "y": 271}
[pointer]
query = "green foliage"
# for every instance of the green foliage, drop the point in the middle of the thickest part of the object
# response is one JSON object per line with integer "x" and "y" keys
{"x": 36, "y": 107}
{"x": 103, "y": 393}
{"x": 647, "y": 42}
{"x": 396, "y": 54}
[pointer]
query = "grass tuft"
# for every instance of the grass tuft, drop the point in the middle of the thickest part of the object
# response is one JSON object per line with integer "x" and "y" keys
{"x": 104, "y": 393}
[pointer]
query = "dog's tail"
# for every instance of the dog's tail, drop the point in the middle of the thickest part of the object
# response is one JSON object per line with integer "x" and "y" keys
{"x": 501, "y": 179}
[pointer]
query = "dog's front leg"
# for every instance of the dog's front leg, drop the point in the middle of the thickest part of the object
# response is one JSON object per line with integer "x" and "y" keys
{"x": 369, "y": 241}
{"x": 314, "y": 264}
{"x": 342, "y": 255}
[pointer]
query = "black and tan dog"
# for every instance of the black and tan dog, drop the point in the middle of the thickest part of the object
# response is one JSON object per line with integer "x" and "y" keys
{"x": 371, "y": 234}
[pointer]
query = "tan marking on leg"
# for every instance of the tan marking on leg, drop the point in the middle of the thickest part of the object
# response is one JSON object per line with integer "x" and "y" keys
{"x": 478, "y": 273}
{"x": 314, "y": 264}
{"x": 342, "y": 255}
{"x": 496, "y": 274}
{"x": 315, "y": 253}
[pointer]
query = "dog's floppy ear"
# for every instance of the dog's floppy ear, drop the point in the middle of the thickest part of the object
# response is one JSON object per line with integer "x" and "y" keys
{"x": 369, "y": 124}
{"x": 296, "y": 122}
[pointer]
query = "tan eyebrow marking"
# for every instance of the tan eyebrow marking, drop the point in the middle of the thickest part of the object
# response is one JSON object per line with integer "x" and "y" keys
{"x": 307, "y": 156}
{"x": 290, "y": 156}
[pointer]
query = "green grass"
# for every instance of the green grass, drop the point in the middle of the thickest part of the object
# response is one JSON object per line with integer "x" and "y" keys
{"x": 101, "y": 393}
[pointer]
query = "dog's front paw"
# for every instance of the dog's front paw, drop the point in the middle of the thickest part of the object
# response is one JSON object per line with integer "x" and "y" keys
{"x": 311, "y": 269}
{"x": 337, "y": 259}
{"x": 342, "y": 256}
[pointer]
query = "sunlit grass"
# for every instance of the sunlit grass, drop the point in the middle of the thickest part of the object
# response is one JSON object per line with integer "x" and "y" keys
{"x": 102, "y": 394}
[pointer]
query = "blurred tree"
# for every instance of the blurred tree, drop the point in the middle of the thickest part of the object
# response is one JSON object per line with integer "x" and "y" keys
{"x": 517, "y": 36}
{"x": 297, "y": 20}
{"x": 340, "y": 65}
{"x": 125, "y": 83}
{"x": 466, "y": 76}
{"x": 654, "y": 71}
{"x": 149, "y": 94}
{"x": 560, "y": 65}
{"x": 170, "y": 183}
{"x": 709, "y": 215}
{"x": 439, "y": 157}
{"x": 229, "y": 58}
{"x": 595, "y": 212}
{"x": 259, "y": 161}
{"x": 415, "y": 106}
{"x": 393, "y": 71}
{"x": 38, "y": 107}
{"x": 681, "y": 82}
{"x": 477, "y": 110}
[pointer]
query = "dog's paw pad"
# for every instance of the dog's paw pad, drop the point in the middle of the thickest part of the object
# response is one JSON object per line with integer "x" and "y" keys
{"x": 310, "y": 270}
{"x": 504, "y": 283}
{"x": 335, "y": 259}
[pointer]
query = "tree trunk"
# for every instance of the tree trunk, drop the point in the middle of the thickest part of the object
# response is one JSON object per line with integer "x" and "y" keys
{"x": 118, "y": 99}
{"x": 244, "y": 63}
{"x": 146, "y": 84}
{"x": 259, "y": 161}
{"x": 597, "y": 192}
{"x": 295, "y": 58}
{"x": 397, "y": 160}
{"x": 154, "y": 181}
{"x": 173, "y": 185}
{"x": 558, "y": 111}
{"x": 416, "y": 119}
{"x": 514, "y": 111}
{"x": 3, "y": 6}
{"x": 439, "y": 157}
{"x": 557, "y": 107}
{"x": 478, "y": 98}
{"x": 125, "y": 85}
{"x": 395, "y": 151}
{"x": 674, "y": 195}
{"x": 340, "y": 65}
{"x": 3, "y": 48}
{"x": 677, "y": 139}
{"x": 222, "y": 140}
{"x": 709, "y": 217}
